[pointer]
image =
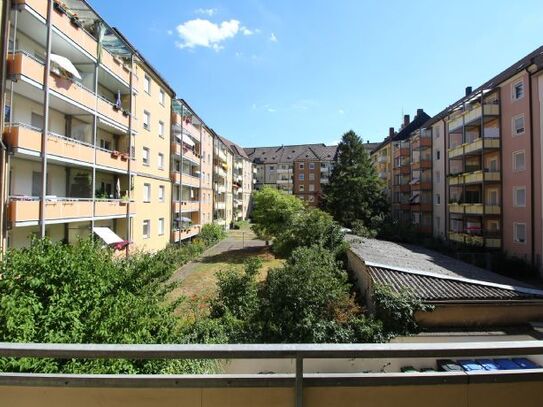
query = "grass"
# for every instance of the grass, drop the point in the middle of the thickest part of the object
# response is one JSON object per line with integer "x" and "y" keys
{"x": 200, "y": 283}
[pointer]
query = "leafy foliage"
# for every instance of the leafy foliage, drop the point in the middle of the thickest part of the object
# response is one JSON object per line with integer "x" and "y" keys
{"x": 273, "y": 211}
{"x": 211, "y": 233}
{"x": 51, "y": 292}
{"x": 355, "y": 193}
{"x": 311, "y": 228}
{"x": 397, "y": 310}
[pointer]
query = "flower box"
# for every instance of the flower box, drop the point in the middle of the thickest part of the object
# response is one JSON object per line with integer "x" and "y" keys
{"x": 115, "y": 154}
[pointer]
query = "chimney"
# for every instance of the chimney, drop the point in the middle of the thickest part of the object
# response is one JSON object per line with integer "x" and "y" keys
{"x": 420, "y": 112}
{"x": 391, "y": 132}
{"x": 469, "y": 90}
{"x": 406, "y": 120}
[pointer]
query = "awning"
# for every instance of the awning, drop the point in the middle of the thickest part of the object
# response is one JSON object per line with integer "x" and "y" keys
{"x": 65, "y": 64}
{"x": 185, "y": 219}
{"x": 107, "y": 235}
{"x": 188, "y": 141}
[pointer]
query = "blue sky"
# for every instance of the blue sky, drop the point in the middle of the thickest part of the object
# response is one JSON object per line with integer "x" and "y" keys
{"x": 288, "y": 72}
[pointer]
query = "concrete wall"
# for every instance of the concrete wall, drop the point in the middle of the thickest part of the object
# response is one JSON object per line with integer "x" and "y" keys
{"x": 439, "y": 180}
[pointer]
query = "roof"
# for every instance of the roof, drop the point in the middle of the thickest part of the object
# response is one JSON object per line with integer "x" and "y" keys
{"x": 535, "y": 56}
{"x": 291, "y": 153}
{"x": 432, "y": 288}
{"x": 236, "y": 149}
{"x": 420, "y": 119}
{"x": 412, "y": 257}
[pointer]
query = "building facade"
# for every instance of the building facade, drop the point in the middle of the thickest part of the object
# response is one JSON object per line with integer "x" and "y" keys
{"x": 94, "y": 139}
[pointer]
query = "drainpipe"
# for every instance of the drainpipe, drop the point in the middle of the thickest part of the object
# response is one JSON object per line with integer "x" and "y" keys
{"x": 130, "y": 121}
{"x": 45, "y": 118}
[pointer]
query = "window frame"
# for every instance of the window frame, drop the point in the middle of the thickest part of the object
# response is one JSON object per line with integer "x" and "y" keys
{"x": 160, "y": 160}
{"x": 143, "y": 223}
{"x": 516, "y": 189}
{"x": 514, "y": 160}
{"x": 514, "y": 131}
{"x": 147, "y": 115}
{"x": 161, "y": 193}
{"x": 514, "y": 85}
{"x": 161, "y": 226}
{"x": 146, "y": 156}
{"x": 515, "y": 232}
{"x": 162, "y": 97}
{"x": 147, "y": 192}
{"x": 147, "y": 81}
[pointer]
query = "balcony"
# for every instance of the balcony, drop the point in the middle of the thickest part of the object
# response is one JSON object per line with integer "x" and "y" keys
{"x": 21, "y": 64}
{"x": 220, "y": 205}
{"x": 401, "y": 152}
{"x": 185, "y": 233}
{"x": 474, "y": 208}
{"x": 476, "y": 146}
{"x": 26, "y": 139}
{"x": 475, "y": 177}
{"x": 475, "y": 240}
{"x": 112, "y": 208}
{"x": 80, "y": 37}
{"x": 27, "y": 210}
{"x": 382, "y": 159}
{"x": 422, "y": 142}
{"x": 187, "y": 206}
{"x": 471, "y": 116}
{"x": 220, "y": 171}
{"x": 421, "y": 186}
{"x": 423, "y": 164}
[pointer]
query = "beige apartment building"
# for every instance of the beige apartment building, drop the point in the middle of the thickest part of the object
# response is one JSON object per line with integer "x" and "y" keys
{"x": 222, "y": 182}
{"x": 92, "y": 142}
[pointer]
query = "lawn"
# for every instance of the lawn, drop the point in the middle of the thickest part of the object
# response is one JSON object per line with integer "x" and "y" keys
{"x": 199, "y": 284}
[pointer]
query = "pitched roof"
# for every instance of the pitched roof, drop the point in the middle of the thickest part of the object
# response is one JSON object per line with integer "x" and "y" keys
{"x": 289, "y": 153}
{"x": 535, "y": 56}
{"x": 236, "y": 149}
{"x": 433, "y": 287}
{"x": 420, "y": 119}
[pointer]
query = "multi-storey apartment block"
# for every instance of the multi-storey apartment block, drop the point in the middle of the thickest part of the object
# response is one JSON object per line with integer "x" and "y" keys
{"x": 92, "y": 142}
{"x": 222, "y": 182}
{"x": 480, "y": 159}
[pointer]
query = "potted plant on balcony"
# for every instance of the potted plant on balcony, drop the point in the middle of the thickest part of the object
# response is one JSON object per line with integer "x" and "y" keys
{"x": 124, "y": 200}
{"x": 115, "y": 154}
{"x": 126, "y": 113}
{"x": 74, "y": 19}
{"x": 59, "y": 7}
{"x": 124, "y": 156}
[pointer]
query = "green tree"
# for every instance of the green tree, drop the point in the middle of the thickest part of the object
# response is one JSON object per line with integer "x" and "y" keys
{"x": 312, "y": 228}
{"x": 273, "y": 210}
{"x": 355, "y": 194}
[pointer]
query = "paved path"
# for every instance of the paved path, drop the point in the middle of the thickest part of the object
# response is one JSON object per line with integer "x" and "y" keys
{"x": 227, "y": 245}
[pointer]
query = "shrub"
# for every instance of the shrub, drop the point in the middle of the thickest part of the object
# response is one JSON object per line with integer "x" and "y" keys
{"x": 211, "y": 233}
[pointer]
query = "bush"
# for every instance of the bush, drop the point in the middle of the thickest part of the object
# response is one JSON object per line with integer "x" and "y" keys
{"x": 396, "y": 310}
{"x": 211, "y": 233}
{"x": 311, "y": 228}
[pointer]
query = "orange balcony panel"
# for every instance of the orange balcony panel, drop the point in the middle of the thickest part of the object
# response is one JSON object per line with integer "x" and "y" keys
{"x": 20, "y": 64}
{"x": 176, "y": 177}
{"x": 107, "y": 109}
{"x": 75, "y": 33}
{"x": 38, "y": 6}
{"x": 112, "y": 159}
{"x": 189, "y": 154}
{"x": 176, "y": 148}
{"x": 23, "y": 137}
{"x": 116, "y": 66}
{"x": 27, "y": 211}
{"x": 111, "y": 208}
{"x": 401, "y": 152}
{"x": 422, "y": 186}
{"x": 422, "y": 164}
{"x": 405, "y": 169}
{"x": 190, "y": 181}
{"x": 64, "y": 147}
{"x": 72, "y": 91}
{"x": 189, "y": 206}
{"x": 191, "y": 129}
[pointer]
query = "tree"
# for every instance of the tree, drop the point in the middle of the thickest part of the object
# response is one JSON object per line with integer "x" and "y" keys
{"x": 312, "y": 228}
{"x": 355, "y": 194}
{"x": 273, "y": 211}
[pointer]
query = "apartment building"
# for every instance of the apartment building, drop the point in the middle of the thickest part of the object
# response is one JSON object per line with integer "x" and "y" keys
{"x": 222, "y": 182}
{"x": 242, "y": 181}
{"x": 299, "y": 169}
{"x": 94, "y": 140}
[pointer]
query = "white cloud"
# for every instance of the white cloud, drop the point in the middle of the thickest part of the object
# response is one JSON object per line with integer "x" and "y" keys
{"x": 271, "y": 110}
{"x": 246, "y": 31}
{"x": 273, "y": 38}
{"x": 204, "y": 33}
{"x": 341, "y": 111}
{"x": 206, "y": 11}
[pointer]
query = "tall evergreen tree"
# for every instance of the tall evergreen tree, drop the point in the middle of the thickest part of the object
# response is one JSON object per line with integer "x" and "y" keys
{"x": 355, "y": 196}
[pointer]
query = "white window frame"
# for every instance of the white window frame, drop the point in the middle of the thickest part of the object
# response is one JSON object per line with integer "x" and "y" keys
{"x": 147, "y": 192}
{"x": 514, "y": 155}
{"x": 514, "y": 131}
{"x": 146, "y": 120}
{"x": 311, "y": 187}
{"x": 161, "y": 129}
{"x": 146, "y": 156}
{"x": 311, "y": 166}
{"x": 162, "y": 97}
{"x": 516, "y": 189}
{"x": 160, "y": 161}
{"x": 161, "y": 226}
{"x": 513, "y": 90}
{"x": 148, "y": 223}
{"x": 301, "y": 188}
{"x": 161, "y": 193}
{"x": 147, "y": 84}
{"x": 515, "y": 232}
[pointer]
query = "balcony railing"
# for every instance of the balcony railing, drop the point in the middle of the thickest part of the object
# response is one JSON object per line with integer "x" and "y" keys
{"x": 23, "y": 64}
{"x": 307, "y": 375}
{"x": 474, "y": 146}
{"x": 471, "y": 116}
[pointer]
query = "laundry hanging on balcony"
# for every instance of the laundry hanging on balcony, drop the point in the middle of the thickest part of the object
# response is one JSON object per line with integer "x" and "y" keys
{"x": 118, "y": 103}
{"x": 65, "y": 66}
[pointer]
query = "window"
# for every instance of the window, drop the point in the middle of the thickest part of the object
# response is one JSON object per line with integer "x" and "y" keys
{"x": 518, "y": 161}
{"x": 161, "y": 97}
{"x": 146, "y": 120}
{"x": 160, "y": 226}
{"x": 492, "y": 197}
{"x": 312, "y": 176}
{"x": 161, "y": 129}
{"x": 517, "y": 90}
{"x": 161, "y": 193}
{"x": 438, "y": 155}
{"x": 518, "y": 125}
{"x": 438, "y": 177}
{"x": 301, "y": 177}
{"x": 301, "y": 188}
{"x": 436, "y": 131}
{"x": 519, "y": 232}
{"x": 36, "y": 120}
{"x": 493, "y": 165}
{"x": 272, "y": 168}
{"x": 160, "y": 161}
{"x": 519, "y": 197}
{"x": 146, "y": 229}
{"x": 311, "y": 166}
{"x": 301, "y": 166}
{"x": 146, "y": 156}
{"x": 438, "y": 199}
{"x": 147, "y": 84}
{"x": 311, "y": 188}
{"x": 146, "y": 192}
{"x": 105, "y": 144}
